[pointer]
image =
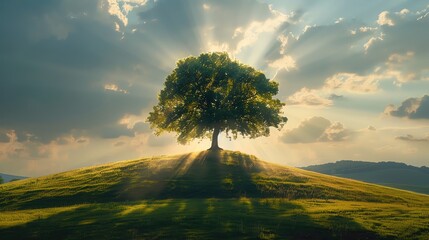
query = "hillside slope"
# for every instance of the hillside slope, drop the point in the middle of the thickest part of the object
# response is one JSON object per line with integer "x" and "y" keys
{"x": 8, "y": 178}
{"x": 398, "y": 175}
{"x": 206, "y": 195}
{"x": 206, "y": 174}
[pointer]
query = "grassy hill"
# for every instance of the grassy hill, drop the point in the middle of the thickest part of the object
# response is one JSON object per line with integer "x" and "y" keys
{"x": 392, "y": 174}
{"x": 207, "y": 195}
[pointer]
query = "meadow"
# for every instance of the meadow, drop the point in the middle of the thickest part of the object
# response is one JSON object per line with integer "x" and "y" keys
{"x": 207, "y": 195}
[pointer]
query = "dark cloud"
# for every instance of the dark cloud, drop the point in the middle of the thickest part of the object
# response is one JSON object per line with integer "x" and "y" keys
{"x": 413, "y": 108}
{"x": 316, "y": 129}
{"x": 321, "y": 52}
{"x": 57, "y": 57}
{"x": 407, "y": 35}
{"x": 336, "y": 97}
{"x": 411, "y": 138}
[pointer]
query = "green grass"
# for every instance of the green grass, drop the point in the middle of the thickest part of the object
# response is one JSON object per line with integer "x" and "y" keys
{"x": 207, "y": 195}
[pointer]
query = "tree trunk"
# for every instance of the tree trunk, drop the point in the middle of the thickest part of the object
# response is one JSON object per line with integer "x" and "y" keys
{"x": 215, "y": 145}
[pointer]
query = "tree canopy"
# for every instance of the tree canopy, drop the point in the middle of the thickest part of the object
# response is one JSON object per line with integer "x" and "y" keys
{"x": 211, "y": 93}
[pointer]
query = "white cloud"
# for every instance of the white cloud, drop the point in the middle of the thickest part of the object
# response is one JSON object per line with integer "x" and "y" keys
{"x": 394, "y": 68}
{"x": 251, "y": 33}
{"x": 114, "y": 88}
{"x": 339, "y": 20}
{"x": 121, "y": 8}
{"x": 285, "y": 62}
{"x": 206, "y": 7}
{"x": 335, "y": 132}
{"x": 385, "y": 19}
{"x": 283, "y": 43}
{"x": 403, "y": 12}
{"x": 372, "y": 41}
{"x": 308, "y": 97}
{"x": 367, "y": 29}
{"x": 117, "y": 27}
{"x": 316, "y": 129}
{"x": 353, "y": 82}
{"x": 397, "y": 68}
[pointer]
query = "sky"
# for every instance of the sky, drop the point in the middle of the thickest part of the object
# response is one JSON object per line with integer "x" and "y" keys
{"x": 79, "y": 77}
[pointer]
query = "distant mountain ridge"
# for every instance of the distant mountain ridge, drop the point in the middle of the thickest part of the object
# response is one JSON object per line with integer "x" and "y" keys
{"x": 8, "y": 178}
{"x": 392, "y": 174}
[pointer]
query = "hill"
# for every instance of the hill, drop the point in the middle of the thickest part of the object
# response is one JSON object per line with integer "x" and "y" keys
{"x": 393, "y": 174}
{"x": 7, "y": 178}
{"x": 207, "y": 195}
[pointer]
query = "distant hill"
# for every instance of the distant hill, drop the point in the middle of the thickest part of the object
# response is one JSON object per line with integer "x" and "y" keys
{"x": 8, "y": 178}
{"x": 207, "y": 195}
{"x": 392, "y": 174}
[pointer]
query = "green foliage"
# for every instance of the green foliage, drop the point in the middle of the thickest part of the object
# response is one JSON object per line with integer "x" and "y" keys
{"x": 1, "y": 180}
{"x": 212, "y": 93}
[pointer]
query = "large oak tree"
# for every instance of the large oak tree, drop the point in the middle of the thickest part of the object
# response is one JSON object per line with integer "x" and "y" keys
{"x": 211, "y": 93}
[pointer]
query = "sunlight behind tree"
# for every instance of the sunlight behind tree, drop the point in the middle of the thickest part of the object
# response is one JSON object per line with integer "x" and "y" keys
{"x": 211, "y": 93}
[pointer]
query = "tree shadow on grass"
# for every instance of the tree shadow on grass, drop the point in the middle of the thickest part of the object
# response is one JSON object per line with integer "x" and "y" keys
{"x": 242, "y": 218}
{"x": 216, "y": 174}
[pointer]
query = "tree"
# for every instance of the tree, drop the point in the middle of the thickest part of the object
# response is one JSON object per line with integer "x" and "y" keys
{"x": 211, "y": 93}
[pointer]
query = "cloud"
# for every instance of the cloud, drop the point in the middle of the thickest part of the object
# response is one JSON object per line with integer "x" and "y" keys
{"x": 335, "y": 132}
{"x": 393, "y": 68}
{"x": 411, "y": 138}
{"x": 71, "y": 51}
{"x": 371, "y": 41}
{"x": 56, "y": 82}
{"x": 316, "y": 129}
{"x": 372, "y": 128}
{"x": 412, "y": 108}
{"x": 397, "y": 67}
{"x": 334, "y": 96}
{"x": 404, "y": 38}
{"x": 114, "y": 88}
{"x": 121, "y": 8}
{"x": 360, "y": 54}
{"x": 197, "y": 28}
{"x": 251, "y": 33}
{"x": 353, "y": 83}
{"x": 286, "y": 62}
{"x": 206, "y": 6}
{"x": 385, "y": 19}
{"x": 319, "y": 53}
{"x": 308, "y": 97}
